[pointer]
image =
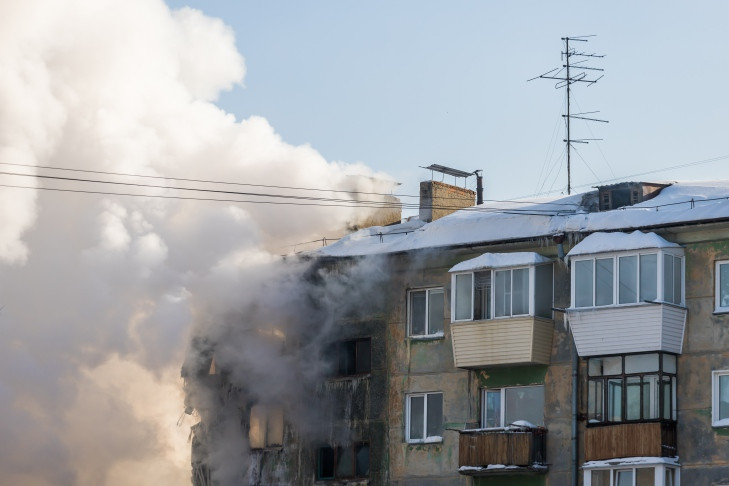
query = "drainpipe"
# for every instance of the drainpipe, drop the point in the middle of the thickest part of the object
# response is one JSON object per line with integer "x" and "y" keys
{"x": 575, "y": 383}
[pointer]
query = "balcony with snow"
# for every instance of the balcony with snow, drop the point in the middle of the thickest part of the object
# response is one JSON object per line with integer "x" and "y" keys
{"x": 627, "y": 294}
{"x": 501, "y": 310}
{"x": 517, "y": 449}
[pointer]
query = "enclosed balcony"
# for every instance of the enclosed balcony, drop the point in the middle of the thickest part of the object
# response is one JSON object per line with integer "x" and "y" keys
{"x": 517, "y": 340}
{"x": 507, "y": 450}
{"x": 649, "y": 439}
{"x": 635, "y": 328}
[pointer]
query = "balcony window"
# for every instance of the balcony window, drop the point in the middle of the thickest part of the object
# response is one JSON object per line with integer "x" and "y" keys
{"x": 633, "y": 476}
{"x": 631, "y": 388}
{"x": 501, "y": 407}
{"x": 352, "y": 357}
{"x": 722, "y": 286}
{"x": 424, "y": 417}
{"x": 499, "y": 292}
{"x": 349, "y": 462}
{"x": 265, "y": 428}
{"x": 426, "y": 312}
{"x": 720, "y": 398}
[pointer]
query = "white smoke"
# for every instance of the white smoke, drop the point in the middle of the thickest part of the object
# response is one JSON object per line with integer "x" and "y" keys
{"x": 99, "y": 292}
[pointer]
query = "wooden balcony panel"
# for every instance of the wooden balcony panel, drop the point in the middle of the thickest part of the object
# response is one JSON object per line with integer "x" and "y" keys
{"x": 628, "y": 328}
{"x": 516, "y": 450}
{"x": 653, "y": 439}
{"x": 518, "y": 340}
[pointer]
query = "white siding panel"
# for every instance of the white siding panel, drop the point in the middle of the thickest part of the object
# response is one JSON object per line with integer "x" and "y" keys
{"x": 627, "y": 329}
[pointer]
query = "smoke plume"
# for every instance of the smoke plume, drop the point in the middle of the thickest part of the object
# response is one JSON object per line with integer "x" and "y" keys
{"x": 99, "y": 292}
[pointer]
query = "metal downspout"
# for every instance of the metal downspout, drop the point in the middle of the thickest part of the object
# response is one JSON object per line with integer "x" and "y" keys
{"x": 575, "y": 468}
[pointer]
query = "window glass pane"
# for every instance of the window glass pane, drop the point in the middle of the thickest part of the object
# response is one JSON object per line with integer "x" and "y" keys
{"x": 632, "y": 398}
{"x": 669, "y": 363}
{"x": 650, "y": 397}
{"x": 615, "y": 400}
{"x": 594, "y": 401}
{"x": 667, "y": 399}
{"x": 667, "y": 278}
{"x": 670, "y": 477}
{"x": 724, "y": 285}
{"x": 612, "y": 365}
{"x": 362, "y": 460}
{"x": 543, "y": 290}
{"x": 464, "y": 295}
{"x": 345, "y": 462}
{"x": 624, "y": 478}
{"x": 257, "y": 427}
{"x": 417, "y": 417}
{"x": 604, "y": 281}
{"x": 723, "y": 397}
{"x": 482, "y": 291}
{"x": 325, "y": 466}
{"x": 594, "y": 367}
{"x": 502, "y": 295}
{"x": 524, "y": 403}
{"x": 363, "y": 356}
{"x": 639, "y": 363}
{"x": 673, "y": 398}
{"x": 583, "y": 283}
{"x": 417, "y": 313}
{"x": 677, "y": 279}
{"x": 600, "y": 478}
{"x": 492, "y": 408}
{"x": 649, "y": 277}
{"x": 434, "y": 426}
{"x": 645, "y": 476}
{"x": 436, "y": 311}
{"x": 520, "y": 300}
{"x": 628, "y": 279}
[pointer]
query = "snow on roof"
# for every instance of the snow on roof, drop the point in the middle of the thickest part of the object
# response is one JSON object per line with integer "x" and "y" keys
{"x": 491, "y": 222}
{"x": 500, "y": 260}
{"x": 604, "y": 242}
{"x": 631, "y": 461}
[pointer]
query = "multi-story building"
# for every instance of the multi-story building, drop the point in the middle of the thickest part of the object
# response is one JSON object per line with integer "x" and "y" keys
{"x": 583, "y": 340}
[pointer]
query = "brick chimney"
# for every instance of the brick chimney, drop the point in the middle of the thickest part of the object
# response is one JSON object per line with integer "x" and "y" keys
{"x": 438, "y": 199}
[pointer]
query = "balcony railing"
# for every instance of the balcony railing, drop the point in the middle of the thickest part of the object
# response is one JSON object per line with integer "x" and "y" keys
{"x": 650, "y": 439}
{"x": 502, "y": 451}
{"x": 516, "y": 340}
{"x": 628, "y": 328}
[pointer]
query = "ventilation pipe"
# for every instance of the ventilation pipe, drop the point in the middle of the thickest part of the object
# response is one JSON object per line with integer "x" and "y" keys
{"x": 479, "y": 187}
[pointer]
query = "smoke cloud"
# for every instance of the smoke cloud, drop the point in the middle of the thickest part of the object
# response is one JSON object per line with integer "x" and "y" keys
{"x": 100, "y": 292}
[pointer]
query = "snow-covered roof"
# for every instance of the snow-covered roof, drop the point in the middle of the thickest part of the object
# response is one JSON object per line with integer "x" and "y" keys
{"x": 500, "y": 260}
{"x": 496, "y": 222}
{"x": 604, "y": 242}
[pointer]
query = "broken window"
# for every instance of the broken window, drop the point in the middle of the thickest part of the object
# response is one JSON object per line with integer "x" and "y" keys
{"x": 265, "y": 427}
{"x": 343, "y": 462}
{"x": 352, "y": 357}
{"x": 426, "y": 312}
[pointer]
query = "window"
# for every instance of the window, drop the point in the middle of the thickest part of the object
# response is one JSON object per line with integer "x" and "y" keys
{"x": 633, "y": 476}
{"x": 424, "y": 418}
{"x": 426, "y": 312}
{"x": 500, "y": 293}
{"x": 722, "y": 286}
{"x": 352, "y": 461}
{"x": 501, "y": 407}
{"x": 265, "y": 428}
{"x": 633, "y": 387}
{"x": 720, "y": 398}
{"x": 627, "y": 279}
{"x": 352, "y": 357}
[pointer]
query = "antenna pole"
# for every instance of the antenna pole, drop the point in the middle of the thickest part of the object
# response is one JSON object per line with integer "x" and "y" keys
{"x": 569, "y": 148}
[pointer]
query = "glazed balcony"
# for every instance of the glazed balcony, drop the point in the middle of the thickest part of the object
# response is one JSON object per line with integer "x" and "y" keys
{"x": 648, "y": 439}
{"x": 600, "y": 331}
{"x": 502, "y": 451}
{"x": 509, "y": 341}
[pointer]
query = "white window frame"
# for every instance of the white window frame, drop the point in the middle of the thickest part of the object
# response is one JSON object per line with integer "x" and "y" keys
{"x": 502, "y": 397}
{"x": 426, "y": 439}
{"x": 719, "y": 306}
{"x": 659, "y": 478}
{"x": 717, "y": 421}
{"x": 428, "y": 332}
{"x": 660, "y": 294}
{"x": 531, "y": 297}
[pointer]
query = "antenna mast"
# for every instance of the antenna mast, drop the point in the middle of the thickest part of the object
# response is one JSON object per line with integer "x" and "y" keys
{"x": 573, "y": 72}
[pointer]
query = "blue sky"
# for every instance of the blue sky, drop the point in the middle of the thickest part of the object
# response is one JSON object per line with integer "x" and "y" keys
{"x": 398, "y": 85}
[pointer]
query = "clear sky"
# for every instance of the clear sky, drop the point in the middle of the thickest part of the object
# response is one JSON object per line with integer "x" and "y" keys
{"x": 398, "y": 85}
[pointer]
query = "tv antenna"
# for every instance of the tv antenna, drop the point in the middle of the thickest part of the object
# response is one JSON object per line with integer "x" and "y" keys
{"x": 571, "y": 72}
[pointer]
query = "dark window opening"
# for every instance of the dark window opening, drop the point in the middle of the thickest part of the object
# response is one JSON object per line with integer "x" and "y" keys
{"x": 353, "y": 357}
{"x": 343, "y": 462}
